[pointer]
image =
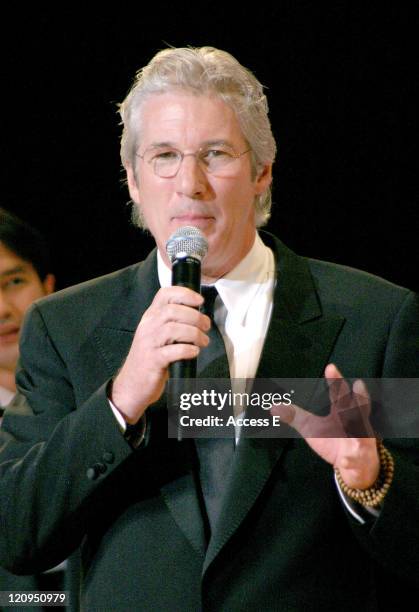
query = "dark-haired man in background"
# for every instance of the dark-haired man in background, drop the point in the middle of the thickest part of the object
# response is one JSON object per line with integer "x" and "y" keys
{"x": 25, "y": 276}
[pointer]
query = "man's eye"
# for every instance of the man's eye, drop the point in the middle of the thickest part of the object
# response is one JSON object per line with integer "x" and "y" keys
{"x": 166, "y": 155}
{"x": 215, "y": 153}
{"x": 14, "y": 282}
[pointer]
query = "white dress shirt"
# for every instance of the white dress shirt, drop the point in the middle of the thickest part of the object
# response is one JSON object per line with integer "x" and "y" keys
{"x": 5, "y": 396}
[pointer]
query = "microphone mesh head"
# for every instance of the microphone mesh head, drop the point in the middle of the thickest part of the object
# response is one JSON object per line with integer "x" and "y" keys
{"x": 187, "y": 241}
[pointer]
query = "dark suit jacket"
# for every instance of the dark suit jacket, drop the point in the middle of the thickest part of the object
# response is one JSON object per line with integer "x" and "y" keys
{"x": 17, "y": 584}
{"x": 10, "y": 582}
{"x": 284, "y": 540}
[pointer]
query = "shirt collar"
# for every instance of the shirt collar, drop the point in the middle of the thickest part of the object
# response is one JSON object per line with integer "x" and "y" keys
{"x": 240, "y": 285}
{"x": 5, "y": 396}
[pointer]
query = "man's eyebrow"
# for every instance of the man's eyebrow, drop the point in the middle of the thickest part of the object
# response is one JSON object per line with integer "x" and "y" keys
{"x": 205, "y": 143}
{"x": 214, "y": 143}
{"x": 11, "y": 271}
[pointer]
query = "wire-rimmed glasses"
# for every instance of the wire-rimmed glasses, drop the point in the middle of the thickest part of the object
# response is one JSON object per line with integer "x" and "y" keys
{"x": 217, "y": 160}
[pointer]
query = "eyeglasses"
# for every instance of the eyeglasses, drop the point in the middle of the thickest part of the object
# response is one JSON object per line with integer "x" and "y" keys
{"x": 218, "y": 160}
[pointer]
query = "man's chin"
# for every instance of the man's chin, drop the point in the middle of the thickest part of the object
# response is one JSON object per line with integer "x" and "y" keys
{"x": 9, "y": 357}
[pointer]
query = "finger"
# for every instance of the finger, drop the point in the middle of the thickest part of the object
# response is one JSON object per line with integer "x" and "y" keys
{"x": 332, "y": 371}
{"x": 304, "y": 422}
{"x": 156, "y": 318}
{"x": 176, "y": 352}
{"x": 339, "y": 390}
{"x": 358, "y": 462}
{"x": 178, "y": 313}
{"x": 363, "y": 401}
{"x": 180, "y": 333}
{"x": 178, "y": 295}
{"x": 352, "y": 412}
{"x": 361, "y": 392}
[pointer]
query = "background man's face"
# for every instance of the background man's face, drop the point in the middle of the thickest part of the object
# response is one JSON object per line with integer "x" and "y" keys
{"x": 20, "y": 285}
{"x": 222, "y": 207}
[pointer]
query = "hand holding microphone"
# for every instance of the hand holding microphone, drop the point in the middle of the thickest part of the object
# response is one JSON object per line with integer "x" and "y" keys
{"x": 171, "y": 330}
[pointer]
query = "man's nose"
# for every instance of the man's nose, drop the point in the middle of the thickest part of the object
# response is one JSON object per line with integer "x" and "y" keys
{"x": 4, "y": 307}
{"x": 191, "y": 179}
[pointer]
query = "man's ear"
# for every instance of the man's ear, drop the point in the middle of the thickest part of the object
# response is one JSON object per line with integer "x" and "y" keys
{"x": 263, "y": 179}
{"x": 49, "y": 284}
{"x": 132, "y": 184}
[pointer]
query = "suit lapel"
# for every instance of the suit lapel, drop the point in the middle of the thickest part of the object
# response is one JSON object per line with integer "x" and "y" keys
{"x": 115, "y": 334}
{"x": 180, "y": 496}
{"x": 298, "y": 344}
{"x": 253, "y": 463}
{"x": 300, "y": 337}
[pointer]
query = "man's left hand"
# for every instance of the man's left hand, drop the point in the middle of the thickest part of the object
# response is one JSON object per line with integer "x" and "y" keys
{"x": 356, "y": 458}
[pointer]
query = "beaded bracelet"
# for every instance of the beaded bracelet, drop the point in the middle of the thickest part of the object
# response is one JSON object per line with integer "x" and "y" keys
{"x": 373, "y": 496}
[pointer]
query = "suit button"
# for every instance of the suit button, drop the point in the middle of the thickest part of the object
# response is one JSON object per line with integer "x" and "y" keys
{"x": 108, "y": 457}
{"x": 91, "y": 473}
{"x": 96, "y": 470}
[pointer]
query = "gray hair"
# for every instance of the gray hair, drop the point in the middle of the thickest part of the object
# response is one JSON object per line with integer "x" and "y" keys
{"x": 210, "y": 71}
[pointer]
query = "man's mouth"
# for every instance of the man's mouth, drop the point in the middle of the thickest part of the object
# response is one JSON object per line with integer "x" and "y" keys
{"x": 9, "y": 333}
{"x": 193, "y": 219}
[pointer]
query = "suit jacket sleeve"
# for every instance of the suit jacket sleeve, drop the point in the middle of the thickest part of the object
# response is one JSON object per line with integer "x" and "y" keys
{"x": 393, "y": 538}
{"x": 48, "y": 496}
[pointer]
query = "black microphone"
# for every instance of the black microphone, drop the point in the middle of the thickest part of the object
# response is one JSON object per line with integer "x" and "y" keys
{"x": 186, "y": 248}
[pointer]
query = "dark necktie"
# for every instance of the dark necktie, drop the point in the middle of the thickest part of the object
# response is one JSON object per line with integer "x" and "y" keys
{"x": 215, "y": 454}
{"x": 212, "y": 361}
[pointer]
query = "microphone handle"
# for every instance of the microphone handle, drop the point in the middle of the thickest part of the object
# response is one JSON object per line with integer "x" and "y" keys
{"x": 186, "y": 272}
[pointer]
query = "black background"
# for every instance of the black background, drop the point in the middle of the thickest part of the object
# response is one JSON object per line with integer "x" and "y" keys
{"x": 341, "y": 79}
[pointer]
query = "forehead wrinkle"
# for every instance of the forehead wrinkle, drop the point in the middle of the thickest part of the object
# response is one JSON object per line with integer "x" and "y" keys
{"x": 157, "y": 145}
{"x": 172, "y": 119}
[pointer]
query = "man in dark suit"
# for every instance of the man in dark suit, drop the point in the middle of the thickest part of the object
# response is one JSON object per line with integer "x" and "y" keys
{"x": 179, "y": 525}
{"x": 25, "y": 276}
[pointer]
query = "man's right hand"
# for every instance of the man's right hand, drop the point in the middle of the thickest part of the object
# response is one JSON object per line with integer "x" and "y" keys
{"x": 171, "y": 329}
